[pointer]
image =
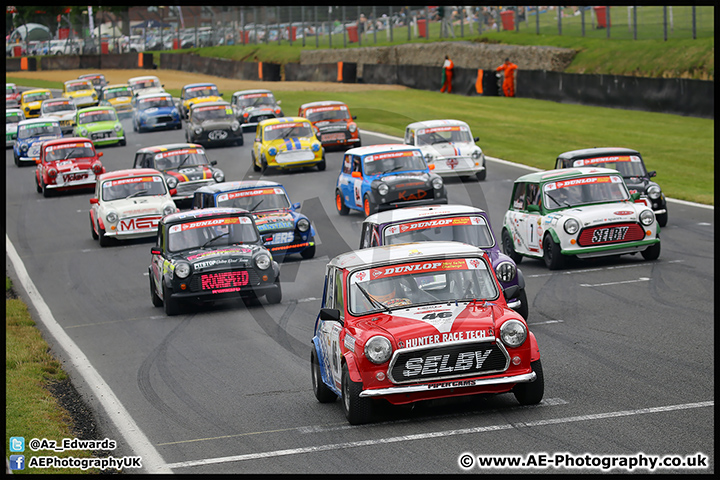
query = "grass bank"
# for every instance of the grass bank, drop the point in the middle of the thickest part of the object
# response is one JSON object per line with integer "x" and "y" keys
{"x": 31, "y": 410}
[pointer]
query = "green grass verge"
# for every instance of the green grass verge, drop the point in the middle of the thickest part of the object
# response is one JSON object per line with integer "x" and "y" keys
{"x": 30, "y": 409}
{"x": 533, "y": 132}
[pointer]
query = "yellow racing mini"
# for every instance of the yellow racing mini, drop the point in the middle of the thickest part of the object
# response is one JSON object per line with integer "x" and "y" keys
{"x": 285, "y": 143}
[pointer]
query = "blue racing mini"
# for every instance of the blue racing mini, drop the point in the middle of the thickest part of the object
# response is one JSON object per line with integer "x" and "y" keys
{"x": 284, "y": 230}
{"x": 155, "y": 111}
{"x": 31, "y": 133}
{"x": 383, "y": 177}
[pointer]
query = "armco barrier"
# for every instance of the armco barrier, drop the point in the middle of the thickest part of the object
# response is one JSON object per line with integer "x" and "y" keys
{"x": 380, "y": 73}
{"x": 676, "y": 96}
{"x": 60, "y": 62}
{"x": 12, "y": 64}
{"x": 89, "y": 61}
{"x": 119, "y": 61}
{"x": 322, "y": 72}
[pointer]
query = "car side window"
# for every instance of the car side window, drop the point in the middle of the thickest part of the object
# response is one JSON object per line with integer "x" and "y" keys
{"x": 347, "y": 165}
{"x": 330, "y": 288}
{"x": 559, "y": 163}
{"x": 519, "y": 197}
{"x": 339, "y": 303}
{"x": 365, "y": 235}
{"x": 409, "y": 137}
{"x": 375, "y": 236}
{"x": 533, "y": 194}
{"x": 138, "y": 160}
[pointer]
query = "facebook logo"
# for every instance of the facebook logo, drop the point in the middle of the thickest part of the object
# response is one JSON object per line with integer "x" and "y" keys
{"x": 17, "y": 462}
{"x": 17, "y": 444}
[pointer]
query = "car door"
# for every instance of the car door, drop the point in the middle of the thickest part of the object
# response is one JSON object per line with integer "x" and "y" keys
{"x": 329, "y": 330}
{"x": 157, "y": 262}
{"x": 515, "y": 219}
{"x": 533, "y": 223}
{"x": 345, "y": 181}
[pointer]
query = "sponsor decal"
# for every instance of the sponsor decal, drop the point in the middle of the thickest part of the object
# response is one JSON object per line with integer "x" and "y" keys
{"x": 224, "y": 280}
{"x": 95, "y": 112}
{"x": 457, "y": 383}
{"x": 183, "y": 151}
{"x": 381, "y": 156}
{"x": 209, "y": 223}
{"x": 154, "y": 99}
{"x": 445, "y": 337}
{"x": 35, "y": 125}
{"x": 73, "y": 177}
{"x": 418, "y": 267}
{"x": 595, "y": 161}
{"x": 284, "y": 125}
{"x": 265, "y": 224}
{"x": 441, "y": 222}
{"x": 205, "y": 87}
{"x": 219, "y": 252}
{"x": 581, "y": 181}
{"x": 452, "y": 163}
{"x": 613, "y": 234}
{"x": 624, "y": 212}
{"x": 288, "y": 247}
{"x": 130, "y": 224}
{"x": 418, "y": 195}
{"x": 251, "y": 193}
{"x": 255, "y": 95}
{"x": 350, "y": 342}
{"x": 205, "y": 264}
{"x": 434, "y": 364}
{"x": 456, "y": 128}
{"x": 125, "y": 181}
{"x": 326, "y": 109}
{"x": 211, "y": 107}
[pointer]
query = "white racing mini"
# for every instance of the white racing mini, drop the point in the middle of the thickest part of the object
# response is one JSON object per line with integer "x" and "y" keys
{"x": 129, "y": 204}
{"x": 581, "y": 212}
{"x": 449, "y": 145}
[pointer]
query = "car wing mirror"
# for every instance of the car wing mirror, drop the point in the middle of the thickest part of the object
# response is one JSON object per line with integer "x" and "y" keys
{"x": 354, "y": 117}
{"x": 279, "y": 102}
{"x": 330, "y": 314}
{"x": 476, "y": 139}
{"x": 156, "y": 250}
{"x": 356, "y": 174}
{"x": 296, "y": 205}
{"x": 652, "y": 173}
{"x": 94, "y": 201}
{"x": 100, "y": 154}
{"x": 635, "y": 196}
{"x": 213, "y": 163}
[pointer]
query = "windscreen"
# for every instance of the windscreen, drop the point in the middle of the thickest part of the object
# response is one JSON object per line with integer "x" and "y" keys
{"x": 211, "y": 233}
{"x": 388, "y": 162}
{"x": 132, "y": 187}
{"x": 255, "y": 200}
{"x": 287, "y": 130}
{"x": 584, "y": 190}
{"x": 473, "y": 230}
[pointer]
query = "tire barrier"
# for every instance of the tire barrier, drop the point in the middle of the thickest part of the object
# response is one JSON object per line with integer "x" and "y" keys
{"x": 678, "y": 96}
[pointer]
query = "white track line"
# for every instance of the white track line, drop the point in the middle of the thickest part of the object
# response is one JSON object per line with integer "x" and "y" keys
{"x": 442, "y": 434}
{"x": 134, "y": 437}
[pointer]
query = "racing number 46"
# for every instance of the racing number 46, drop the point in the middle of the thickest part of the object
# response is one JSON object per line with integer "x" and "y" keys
{"x": 433, "y": 316}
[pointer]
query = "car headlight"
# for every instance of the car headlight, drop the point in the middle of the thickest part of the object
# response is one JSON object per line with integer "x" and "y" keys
{"x": 174, "y": 112}
{"x": 198, "y": 130}
{"x": 111, "y": 217}
{"x": 303, "y": 225}
{"x": 571, "y": 226}
{"x": 262, "y": 261}
{"x": 169, "y": 209}
{"x": 272, "y": 151}
{"x": 172, "y": 182}
{"x": 23, "y": 147}
{"x": 476, "y": 154}
{"x": 383, "y": 189}
{"x": 428, "y": 157}
{"x": 513, "y": 333}
{"x": 647, "y": 217}
{"x": 83, "y": 131}
{"x": 437, "y": 183}
{"x": 352, "y": 127}
{"x": 315, "y": 147}
{"x": 654, "y": 192}
{"x": 219, "y": 176}
{"x": 118, "y": 127}
{"x": 182, "y": 269}
{"x": 378, "y": 349}
{"x": 505, "y": 271}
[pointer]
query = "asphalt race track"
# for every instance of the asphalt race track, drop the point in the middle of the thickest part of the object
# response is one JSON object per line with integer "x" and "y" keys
{"x": 627, "y": 346}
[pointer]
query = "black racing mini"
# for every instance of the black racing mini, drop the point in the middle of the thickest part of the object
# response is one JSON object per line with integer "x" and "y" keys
{"x": 211, "y": 254}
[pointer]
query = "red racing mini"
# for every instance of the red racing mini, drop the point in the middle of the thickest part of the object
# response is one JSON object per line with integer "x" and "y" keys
{"x": 419, "y": 321}
{"x": 69, "y": 163}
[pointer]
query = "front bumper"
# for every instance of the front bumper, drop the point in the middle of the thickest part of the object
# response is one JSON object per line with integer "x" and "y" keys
{"x": 615, "y": 249}
{"x": 461, "y": 383}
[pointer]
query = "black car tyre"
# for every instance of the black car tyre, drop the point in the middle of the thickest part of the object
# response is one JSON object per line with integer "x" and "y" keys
{"x": 523, "y": 308}
{"x": 156, "y": 300}
{"x": 662, "y": 219}
{"x": 531, "y": 393}
{"x": 652, "y": 252}
{"x": 135, "y": 128}
{"x": 509, "y": 247}
{"x": 263, "y": 166}
{"x": 171, "y": 305}
{"x": 308, "y": 252}
{"x": 274, "y": 296}
{"x": 321, "y": 391}
{"x": 17, "y": 159}
{"x": 123, "y": 142}
{"x": 357, "y": 410}
{"x": 37, "y": 185}
{"x": 254, "y": 162}
{"x": 554, "y": 260}
{"x": 104, "y": 240}
{"x": 340, "y": 204}
{"x": 47, "y": 192}
{"x": 92, "y": 230}
{"x": 322, "y": 165}
{"x": 481, "y": 175}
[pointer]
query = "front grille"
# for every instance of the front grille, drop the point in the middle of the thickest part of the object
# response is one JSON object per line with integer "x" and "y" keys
{"x": 465, "y": 359}
{"x": 259, "y": 118}
{"x": 34, "y": 112}
{"x": 188, "y": 188}
{"x": 225, "y": 279}
{"x": 67, "y": 123}
{"x": 609, "y": 234}
{"x": 162, "y": 119}
{"x": 102, "y": 135}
